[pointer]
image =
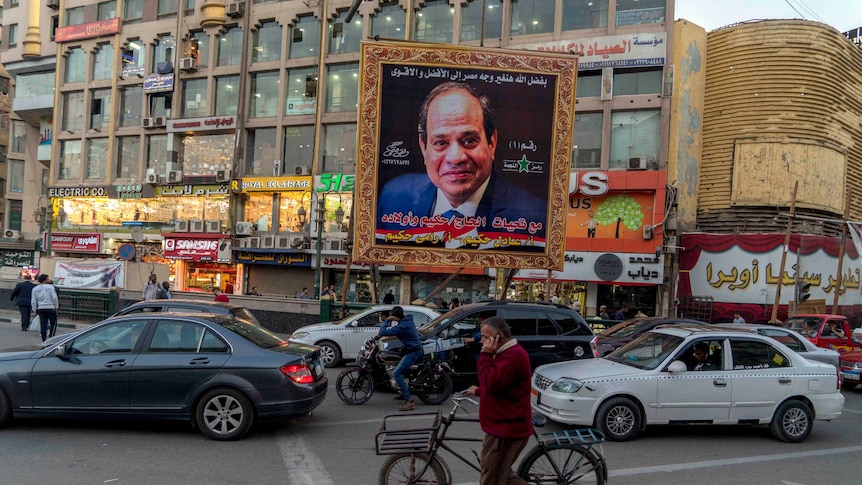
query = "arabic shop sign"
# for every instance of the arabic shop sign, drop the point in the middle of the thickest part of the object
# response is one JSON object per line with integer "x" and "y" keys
{"x": 191, "y": 249}
{"x": 190, "y": 190}
{"x": 270, "y": 184}
{"x": 333, "y": 182}
{"x": 87, "y": 31}
{"x": 131, "y": 191}
{"x": 18, "y": 258}
{"x": 630, "y": 50}
{"x": 640, "y": 16}
{"x": 619, "y": 268}
{"x": 202, "y": 124}
{"x": 75, "y": 242}
{"x": 274, "y": 258}
{"x": 159, "y": 83}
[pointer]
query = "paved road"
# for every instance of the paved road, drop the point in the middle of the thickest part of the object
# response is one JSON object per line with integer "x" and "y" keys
{"x": 335, "y": 446}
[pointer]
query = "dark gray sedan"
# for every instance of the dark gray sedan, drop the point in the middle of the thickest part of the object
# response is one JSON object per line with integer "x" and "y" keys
{"x": 217, "y": 372}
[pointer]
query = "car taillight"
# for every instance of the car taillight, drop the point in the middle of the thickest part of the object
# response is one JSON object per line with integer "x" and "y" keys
{"x": 299, "y": 373}
{"x": 595, "y": 347}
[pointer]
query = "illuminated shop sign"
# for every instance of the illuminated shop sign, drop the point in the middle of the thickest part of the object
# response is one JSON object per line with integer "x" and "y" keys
{"x": 64, "y": 192}
{"x": 270, "y": 184}
{"x": 87, "y": 31}
{"x": 75, "y": 242}
{"x": 334, "y": 182}
{"x": 190, "y": 190}
{"x": 191, "y": 249}
{"x": 274, "y": 258}
{"x": 202, "y": 124}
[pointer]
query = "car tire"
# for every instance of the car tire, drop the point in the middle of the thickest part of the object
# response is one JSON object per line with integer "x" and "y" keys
{"x": 792, "y": 422}
{"x": 848, "y": 385}
{"x": 5, "y": 409}
{"x": 619, "y": 419}
{"x": 224, "y": 414}
{"x": 330, "y": 353}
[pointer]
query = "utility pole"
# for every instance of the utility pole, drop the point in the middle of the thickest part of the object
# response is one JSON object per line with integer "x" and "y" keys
{"x": 774, "y": 318}
{"x": 841, "y": 255}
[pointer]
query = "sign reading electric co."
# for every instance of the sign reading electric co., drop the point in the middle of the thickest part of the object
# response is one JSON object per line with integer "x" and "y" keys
{"x": 191, "y": 249}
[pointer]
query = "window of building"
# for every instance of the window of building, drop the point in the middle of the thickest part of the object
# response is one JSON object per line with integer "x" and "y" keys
{"x": 637, "y": 81}
{"x": 634, "y": 134}
{"x": 199, "y": 48}
{"x": 70, "y": 160}
{"x": 189, "y": 6}
{"x": 19, "y": 136}
{"x": 298, "y": 141}
{"x": 585, "y": 14}
{"x": 266, "y": 43}
{"x": 344, "y": 37}
{"x": 163, "y": 54}
{"x": 157, "y": 153}
{"x": 76, "y": 16}
{"x": 76, "y": 65}
{"x": 587, "y": 144}
{"x": 13, "y": 35}
{"x": 301, "y": 91}
{"x": 258, "y": 211}
{"x": 227, "y": 95}
{"x": 128, "y": 156}
{"x": 390, "y": 22}
{"x": 207, "y": 154}
{"x": 194, "y": 98}
{"x": 103, "y": 62}
{"x": 107, "y": 10}
{"x": 133, "y": 11}
{"x": 342, "y": 89}
{"x": 55, "y": 24}
{"x": 632, "y": 12}
{"x": 168, "y": 8}
{"x": 433, "y": 23}
{"x": 532, "y": 17}
{"x": 133, "y": 58}
{"x": 100, "y": 109}
{"x": 131, "y": 105}
{"x": 589, "y": 84}
{"x": 16, "y": 176}
{"x": 97, "y": 158}
{"x": 262, "y": 157}
{"x": 264, "y": 90}
{"x": 305, "y": 37}
{"x": 339, "y": 148}
{"x": 34, "y": 84}
{"x": 73, "y": 111}
{"x": 160, "y": 105}
{"x": 230, "y": 47}
{"x": 471, "y": 20}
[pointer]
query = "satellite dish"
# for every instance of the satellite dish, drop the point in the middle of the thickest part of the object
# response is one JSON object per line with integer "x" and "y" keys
{"x": 137, "y": 234}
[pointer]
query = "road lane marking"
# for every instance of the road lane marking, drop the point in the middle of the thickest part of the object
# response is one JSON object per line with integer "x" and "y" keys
{"x": 675, "y": 467}
{"x": 853, "y": 411}
{"x": 302, "y": 464}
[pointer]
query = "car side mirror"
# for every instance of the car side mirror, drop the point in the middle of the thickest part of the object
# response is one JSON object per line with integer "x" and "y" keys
{"x": 677, "y": 367}
{"x": 61, "y": 352}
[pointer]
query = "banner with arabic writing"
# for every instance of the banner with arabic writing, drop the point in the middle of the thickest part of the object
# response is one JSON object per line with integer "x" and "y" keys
{"x": 92, "y": 274}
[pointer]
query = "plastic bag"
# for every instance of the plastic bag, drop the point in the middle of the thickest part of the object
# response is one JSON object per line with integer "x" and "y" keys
{"x": 35, "y": 325}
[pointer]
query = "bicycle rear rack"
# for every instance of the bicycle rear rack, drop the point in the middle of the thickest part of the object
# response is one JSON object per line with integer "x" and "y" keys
{"x": 584, "y": 436}
{"x": 389, "y": 441}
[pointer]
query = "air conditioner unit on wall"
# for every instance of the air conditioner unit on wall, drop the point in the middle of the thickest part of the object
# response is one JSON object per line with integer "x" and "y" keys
{"x": 282, "y": 242}
{"x": 253, "y": 242}
{"x": 213, "y": 226}
{"x": 175, "y": 176}
{"x": 53, "y": 4}
{"x": 223, "y": 175}
{"x": 11, "y": 234}
{"x": 267, "y": 241}
{"x": 303, "y": 170}
{"x": 244, "y": 228}
{"x": 181, "y": 225}
{"x": 196, "y": 225}
{"x": 637, "y": 163}
{"x": 188, "y": 64}
{"x": 235, "y": 9}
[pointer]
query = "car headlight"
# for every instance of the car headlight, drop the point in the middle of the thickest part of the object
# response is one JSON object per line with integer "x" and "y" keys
{"x": 299, "y": 335}
{"x": 567, "y": 385}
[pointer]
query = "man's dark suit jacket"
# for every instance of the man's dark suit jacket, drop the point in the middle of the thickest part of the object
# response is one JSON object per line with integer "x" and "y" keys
{"x": 21, "y": 293}
{"x": 416, "y": 193}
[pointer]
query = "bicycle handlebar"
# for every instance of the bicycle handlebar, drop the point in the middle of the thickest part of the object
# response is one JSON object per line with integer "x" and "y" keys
{"x": 459, "y": 396}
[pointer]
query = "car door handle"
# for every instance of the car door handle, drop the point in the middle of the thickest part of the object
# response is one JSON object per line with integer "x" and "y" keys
{"x": 719, "y": 383}
{"x": 199, "y": 361}
{"x": 115, "y": 363}
{"x": 549, "y": 347}
{"x": 784, "y": 380}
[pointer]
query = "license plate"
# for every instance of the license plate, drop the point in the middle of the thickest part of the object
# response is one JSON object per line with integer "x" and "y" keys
{"x": 317, "y": 367}
{"x": 850, "y": 375}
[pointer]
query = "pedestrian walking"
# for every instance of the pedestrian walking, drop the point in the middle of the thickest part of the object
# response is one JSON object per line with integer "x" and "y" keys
{"x": 621, "y": 313}
{"x": 151, "y": 289}
{"x": 505, "y": 414}
{"x": 164, "y": 292}
{"x": 388, "y": 298}
{"x": 21, "y": 296}
{"x": 43, "y": 299}
{"x": 603, "y": 312}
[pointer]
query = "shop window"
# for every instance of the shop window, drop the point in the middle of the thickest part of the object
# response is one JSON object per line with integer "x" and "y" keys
{"x": 305, "y": 37}
{"x": 128, "y": 156}
{"x": 16, "y": 176}
{"x": 344, "y": 37}
{"x": 76, "y": 65}
{"x": 634, "y": 134}
{"x": 288, "y": 208}
{"x": 390, "y": 22}
{"x": 471, "y": 20}
{"x": 339, "y": 148}
{"x": 589, "y": 84}
{"x": 199, "y": 48}
{"x": 72, "y": 118}
{"x": 194, "y": 103}
{"x": 258, "y": 211}
{"x": 532, "y": 17}
{"x": 298, "y": 151}
{"x": 97, "y": 158}
{"x": 230, "y": 47}
{"x": 133, "y": 58}
{"x": 585, "y": 14}
{"x": 157, "y": 153}
{"x": 301, "y": 91}
{"x": 264, "y": 90}
{"x": 70, "y": 160}
{"x": 107, "y": 10}
{"x": 433, "y": 22}
{"x": 19, "y": 136}
{"x": 131, "y": 102}
{"x": 587, "y": 141}
{"x": 100, "y": 109}
{"x": 266, "y": 43}
{"x": 633, "y": 12}
{"x": 227, "y": 95}
{"x": 342, "y": 90}
{"x": 133, "y": 11}
{"x": 262, "y": 158}
{"x": 207, "y": 154}
{"x": 103, "y": 62}
{"x": 637, "y": 81}
{"x": 76, "y": 16}
{"x": 168, "y": 8}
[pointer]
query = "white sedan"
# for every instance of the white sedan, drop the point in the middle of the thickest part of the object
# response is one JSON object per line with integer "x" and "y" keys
{"x": 343, "y": 339}
{"x": 691, "y": 374}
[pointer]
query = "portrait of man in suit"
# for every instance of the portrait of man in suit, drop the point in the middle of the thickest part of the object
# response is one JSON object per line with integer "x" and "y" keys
{"x": 462, "y": 200}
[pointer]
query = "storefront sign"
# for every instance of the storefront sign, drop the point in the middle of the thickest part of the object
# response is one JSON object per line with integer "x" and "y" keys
{"x": 95, "y": 274}
{"x": 17, "y": 258}
{"x": 74, "y": 242}
{"x": 192, "y": 249}
{"x": 629, "y": 50}
{"x": 274, "y": 258}
{"x": 640, "y": 16}
{"x": 65, "y": 192}
{"x": 159, "y": 83}
{"x": 333, "y": 182}
{"x": 270, "y": 184}
{"x": 190, "y": 190}
{"x": 202, "y": 124}
{"x": 616, "y": 268}
{"x": 131, "y": 191}
{"x": 339, "y": 262}
{"x": 87, "y": 31}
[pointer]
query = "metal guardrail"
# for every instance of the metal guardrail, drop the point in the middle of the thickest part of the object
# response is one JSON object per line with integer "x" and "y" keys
{"x": 87, "y": 304}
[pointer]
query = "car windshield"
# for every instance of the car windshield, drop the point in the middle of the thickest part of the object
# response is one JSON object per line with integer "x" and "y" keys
{"x": 625, "y": 329}
{"x": 807, "y": 326}
{"x": 244, "y": 314}
{"x": 255, "y": 334}
{"x": 646, "y": 352}
{"x": 433, "y": 325}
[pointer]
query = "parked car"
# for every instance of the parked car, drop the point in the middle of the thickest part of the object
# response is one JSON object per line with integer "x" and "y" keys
{"x": 173, "y": 306}
{"x": 217, "y": 372}
{"x": 744, "y": 378}
{"x": 343, "y": 339}
{"x": 825, "y": 330}
{"x": 624, "y": 332}
{"x": 792, "y": 339}
{"x": 851, "y": 367}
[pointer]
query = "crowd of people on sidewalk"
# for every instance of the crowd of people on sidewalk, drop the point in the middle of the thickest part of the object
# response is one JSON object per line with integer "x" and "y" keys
{"x": 42, "y": 299}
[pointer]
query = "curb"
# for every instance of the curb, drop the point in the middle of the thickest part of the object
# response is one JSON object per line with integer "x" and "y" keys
{"x": 59, "y": 323}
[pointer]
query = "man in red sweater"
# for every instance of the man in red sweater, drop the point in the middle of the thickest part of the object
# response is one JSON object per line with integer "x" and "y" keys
{"x": 505, "y": 413}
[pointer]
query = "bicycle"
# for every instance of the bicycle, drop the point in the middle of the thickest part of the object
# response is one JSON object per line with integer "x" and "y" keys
{"x": 560, "y": 457}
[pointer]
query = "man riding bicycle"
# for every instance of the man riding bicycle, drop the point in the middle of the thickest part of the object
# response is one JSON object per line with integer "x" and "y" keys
{"x": 406, "y": 332}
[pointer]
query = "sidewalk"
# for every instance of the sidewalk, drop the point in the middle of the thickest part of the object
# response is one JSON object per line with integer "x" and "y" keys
{"x": 13, "y": 316}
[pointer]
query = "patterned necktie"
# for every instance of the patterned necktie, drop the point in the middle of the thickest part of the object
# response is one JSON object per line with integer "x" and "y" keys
{"x": 451, "y": 213}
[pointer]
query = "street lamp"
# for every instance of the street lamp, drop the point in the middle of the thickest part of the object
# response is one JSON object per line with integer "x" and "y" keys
{"x": 321, "y": 218}
{"x": 44, "y": 216}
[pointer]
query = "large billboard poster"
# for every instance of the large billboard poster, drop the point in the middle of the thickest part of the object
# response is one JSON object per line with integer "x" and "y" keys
{"x": 464, "y": 156}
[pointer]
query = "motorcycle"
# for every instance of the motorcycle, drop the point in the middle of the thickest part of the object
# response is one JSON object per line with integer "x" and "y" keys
{"x": 429, "y": 378}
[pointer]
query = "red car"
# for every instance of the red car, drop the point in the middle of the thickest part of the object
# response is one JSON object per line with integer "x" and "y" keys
{"x": 851, "y": 368}
{"x": 825, "y": 330}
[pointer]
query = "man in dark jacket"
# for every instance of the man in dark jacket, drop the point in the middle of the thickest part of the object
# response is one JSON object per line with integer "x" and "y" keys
{"x": 406, "y": 332}
{"x": 505, "y": 413}
{"x": 21, "y": 297}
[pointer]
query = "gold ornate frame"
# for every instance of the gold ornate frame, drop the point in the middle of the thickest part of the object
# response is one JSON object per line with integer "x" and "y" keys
{"x": 374, "y": 56}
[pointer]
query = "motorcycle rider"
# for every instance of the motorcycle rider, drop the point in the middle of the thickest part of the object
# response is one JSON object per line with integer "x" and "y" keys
{"x": 411, "y": 351}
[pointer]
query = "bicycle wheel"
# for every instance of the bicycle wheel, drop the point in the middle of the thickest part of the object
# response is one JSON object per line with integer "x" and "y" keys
{"x": 575, "y": 463}
{"x": 433, "y": 387}
{"x": 404, "y": 469}
{"x": 354, "y": 386}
